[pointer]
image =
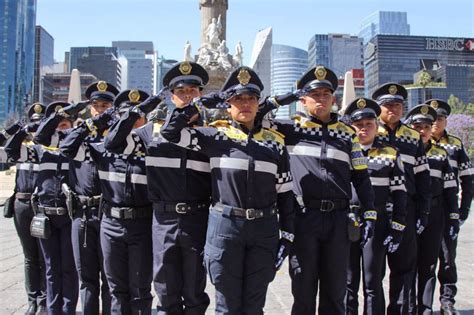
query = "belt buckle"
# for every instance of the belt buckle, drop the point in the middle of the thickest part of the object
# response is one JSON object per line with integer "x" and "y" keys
{"x": 115, "y": 213}
{"x": 59, "y": 211}
{"x": 181, "y": 208}
{"x": 250, "y": 214}
{"x": 128, "y": 213}
{"x": 326, "y": 205}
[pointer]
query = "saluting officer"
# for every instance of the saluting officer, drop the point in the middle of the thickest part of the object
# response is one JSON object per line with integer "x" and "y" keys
{"x": 386, "y": 172}
{"x": 391, "y": 98}
{"x": 61, "y": 276}
{"x": 125, "y": 231}
{"x": 86, "y": 194}
{"x": 444, "y": 212}
{"x": 462, "y": 167}
{"x": 179, "y": 185}
{"x": 250, "y": 176}
{"x": 325, "y": 157}
{"x": 25, "y": 183}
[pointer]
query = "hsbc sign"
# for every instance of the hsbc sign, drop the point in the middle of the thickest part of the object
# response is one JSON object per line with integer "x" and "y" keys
{"x": 449, "y": 44}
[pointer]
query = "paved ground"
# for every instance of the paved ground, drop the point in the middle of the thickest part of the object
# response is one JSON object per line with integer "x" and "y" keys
{"x": 13, "y": 297}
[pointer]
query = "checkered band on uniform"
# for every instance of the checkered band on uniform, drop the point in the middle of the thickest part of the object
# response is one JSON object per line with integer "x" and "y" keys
{"x": 438, "y": 157}
{"x": 421, "y": 160}
{"x": 272, "y": 145}
{"x": 340, "y": 134}
{"x": 123, "y": 156}
{"x": 397, "y": 180}
{"x": 284, "y": 177}
{"x": 406, "y": 139}
{"x": 308, "y": 131}
{"x": 381, "y": 160}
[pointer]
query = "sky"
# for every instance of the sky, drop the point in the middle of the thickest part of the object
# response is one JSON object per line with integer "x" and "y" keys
{"x": 170, "y": 23}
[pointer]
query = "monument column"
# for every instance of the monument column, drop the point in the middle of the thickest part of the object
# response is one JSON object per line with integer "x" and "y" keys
{"x": 212, "y": 9}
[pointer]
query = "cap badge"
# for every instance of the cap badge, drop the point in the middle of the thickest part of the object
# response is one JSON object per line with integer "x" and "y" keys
{"x": 38, "y": 109}
{"x": 320, "y": 73}
{"x": 244, "y": 77}
{"x": 134, "y": 96}
{"x": 424, "y": 110}
{"x": 185, "y": 68}
{"x": 392, "y": 89}
{"x": 434, "y": 104}
{"x": 102, "y": 86}
{"x": 361, "y": 103}
{"x": 57, "y": 108}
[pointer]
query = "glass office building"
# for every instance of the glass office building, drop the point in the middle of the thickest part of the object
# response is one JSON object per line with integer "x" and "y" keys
{"x": 393, "y": 58}
{"x": 17, "y": 38}
{"x": 384, "y": 22}
{"x": 288, "y": 64}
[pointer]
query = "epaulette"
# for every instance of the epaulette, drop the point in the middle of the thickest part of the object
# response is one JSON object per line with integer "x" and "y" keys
{"x": 407, "y": 131}
{"x": 270, "y": 134}
{"x": 347, "y": 128}
{"x": 437, "y": 150}
{"x": 385, "y": 151}
{"x": 54, "y": 149}
{"x": 220, "y": 123}
{"x": 454, "y": 140}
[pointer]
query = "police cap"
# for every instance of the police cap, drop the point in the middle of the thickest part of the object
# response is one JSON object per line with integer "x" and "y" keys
{"x": 129, "y": 98}
{"x": 101, "y": 90}
{"x": 362, "y": 108}
{"x": 421, "y": 114}
{"x": 243, "y": 80}
{"x": 54, "y": 107}
{"x": 390, "y": 92}
{"x": 318, "y": 77}
{"x": 184, "y": 74}
{"x": 36, "y": 111}
{"x": 442, "y": 108}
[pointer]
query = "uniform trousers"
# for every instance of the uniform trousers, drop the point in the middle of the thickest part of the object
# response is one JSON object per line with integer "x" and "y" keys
{"x": 319, "y": 257}
{"x": 35, "y": 281}
{"x": 85, "y": 235}
{"x": 179, "y": 277}
{"x": 62, "y": 284}
{"x": 127, "y": 248}
{"x": 240, "y": 257}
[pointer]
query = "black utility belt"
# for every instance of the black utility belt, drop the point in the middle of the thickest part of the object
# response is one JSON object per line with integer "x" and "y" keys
{"x": 248, "y": 214}
{"x": 180, "y": 207}
{"x": 437, "y": 201}
{"x": 93, "y": 201}
{"x": 128, "y": 213}
{"x": 52, "y": 210}
{"x": 23, "y": 196}
{"x": 327, "y": 205}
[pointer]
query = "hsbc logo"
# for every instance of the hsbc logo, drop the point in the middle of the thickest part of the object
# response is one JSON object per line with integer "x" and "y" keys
{"x": 470, "y": 45}
{"x": 449, "y": 44}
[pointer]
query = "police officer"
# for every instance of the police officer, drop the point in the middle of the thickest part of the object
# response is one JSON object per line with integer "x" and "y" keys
{"x": 324, "y": 152}
{"x": 61, "y": 276}
{"x": 444, "y": 212}
{"x": 250, "y": 176}
{"x": 391, "y": 98}
{"x": 388, "y": 181}
{"x": 85, "y": 195}
{"x": 125, "y": 231}
{"x": 462, "y": 167}
{"x": 179, "y": 185}
{"x": 25, "y": 183}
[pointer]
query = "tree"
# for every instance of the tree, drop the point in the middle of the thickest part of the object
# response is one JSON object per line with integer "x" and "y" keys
{"x": 424, "y": 79}
{"x": 462, "y": 126}
{"x": 458, "y": 106}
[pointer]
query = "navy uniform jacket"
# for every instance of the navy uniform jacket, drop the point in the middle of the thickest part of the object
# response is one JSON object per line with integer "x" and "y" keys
{"x": 461, "y": 165}
{"x": 175, "y": 174}
{"x": 443, "y": 179}
{"x": 53, "y": 166}
{"x": 122, "y": 176}
{"x": 325, "y": 158}
{"x": 249, "y": 169}
{"x": 417, "y": 170}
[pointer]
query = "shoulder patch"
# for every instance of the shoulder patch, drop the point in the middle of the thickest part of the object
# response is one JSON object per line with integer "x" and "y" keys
{"x": 408, "y": 132}
{"x": 385, "y": 151}
{"x": 382, "y": 131}
{"x": 437, "y": 150}
{"x": 454, "y": 141}
{"x": 270, "y": 134}
{"x": 219, "y": 123}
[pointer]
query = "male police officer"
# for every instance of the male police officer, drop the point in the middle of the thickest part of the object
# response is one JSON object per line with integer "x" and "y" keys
{"x": 126, "y": 226}
{"x": 85, "y": 199}
{"x": 325, "y": 158}
{"x": 25, "y": 183}
{"x": 462, "y": 167}
{"x": 386, "y": 176}
{"x": 179, "y": 186}
{"x": 391, "y": 97}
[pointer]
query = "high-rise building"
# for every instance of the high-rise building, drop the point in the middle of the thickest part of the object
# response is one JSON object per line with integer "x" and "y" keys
{"x": 384, "y": 23}
{"x": 392, "y": 58}
{"x": 261, "y": 60}
{"x": 17, "y": 47}
{"x": 288, "y": 65}
{"x": 338, "y": 52}
{"x": 162, "y": 67}
{"x": 138, "y": 70}
{"x": 60, "y": 83}
{"x": 102, "y": 62}
{"x": 44, "y": 60}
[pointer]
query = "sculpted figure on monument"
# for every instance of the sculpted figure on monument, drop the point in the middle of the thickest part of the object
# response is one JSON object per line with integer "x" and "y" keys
{"x": 238, "y": 56}
{"x": 187, "y": 52}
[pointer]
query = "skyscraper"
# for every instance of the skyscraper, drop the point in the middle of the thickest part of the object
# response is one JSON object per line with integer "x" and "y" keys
{"x": 44, "y": 61}
{"x": 288, "y": 64}
{"x": 17, "y": 38}
{"x": 384, "y": 22}
{"x": 102, "y": 62}
{"x": 261, "y": 60}
{"x": 138, "y": 71}
{"x": 338, "y": 52}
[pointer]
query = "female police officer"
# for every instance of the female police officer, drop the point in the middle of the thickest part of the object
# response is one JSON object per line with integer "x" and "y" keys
{"x": 250, "y": 175}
